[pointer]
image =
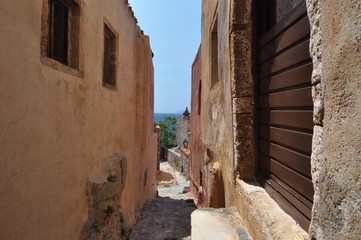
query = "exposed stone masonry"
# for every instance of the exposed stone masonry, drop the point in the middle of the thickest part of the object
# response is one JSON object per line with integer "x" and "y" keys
{"x": 103, "y": 192}
{"x": 317, "y": 157}
{"x": 335, "y": 160}
{"x": 242, "y": 87}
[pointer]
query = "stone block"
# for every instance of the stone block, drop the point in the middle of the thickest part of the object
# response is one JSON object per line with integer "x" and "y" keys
{"x": 241, "y": 66}
{"x": 220, "y": 224}
{"x": 262, "y": 216}
{"x": 103, "y": 192}
{"x": 318, "y": 104}
{"x": 242, "y": 105}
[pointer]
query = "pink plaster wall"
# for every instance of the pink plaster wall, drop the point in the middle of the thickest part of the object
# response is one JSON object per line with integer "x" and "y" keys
{"x": 58, "y": 127}
{"x": 197, "y": 150}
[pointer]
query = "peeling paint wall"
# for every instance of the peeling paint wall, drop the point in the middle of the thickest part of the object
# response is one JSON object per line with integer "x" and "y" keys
{"x": 59, "y": 125}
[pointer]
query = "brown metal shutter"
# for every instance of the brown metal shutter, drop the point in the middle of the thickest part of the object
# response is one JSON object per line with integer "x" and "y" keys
{"x": 285, "y": 114}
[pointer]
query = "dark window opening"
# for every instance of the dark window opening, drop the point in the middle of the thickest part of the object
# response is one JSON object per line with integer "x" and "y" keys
{"x": 109, "y": 57}
{"x": 58, "y": 31}
{"x": 200, "y": 178}
{"x": 60, "y": 39}
{"x": 145, "y": 177}
{"x": 200, "y": 97}
{"x": 214, "y": 53}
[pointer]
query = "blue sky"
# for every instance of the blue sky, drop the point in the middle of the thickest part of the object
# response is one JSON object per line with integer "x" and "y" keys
{"x": 174, "y": 27}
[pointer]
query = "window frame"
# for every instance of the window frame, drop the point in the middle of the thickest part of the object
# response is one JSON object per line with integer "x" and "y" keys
{"x": 109, "y": 57}
{"x": 214, "y": 50}
{"x": 73, "y": 60}
{"x": 64, "y": 27}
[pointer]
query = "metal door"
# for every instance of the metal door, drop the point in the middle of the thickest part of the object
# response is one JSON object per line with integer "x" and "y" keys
{"x": 284, "y": 111}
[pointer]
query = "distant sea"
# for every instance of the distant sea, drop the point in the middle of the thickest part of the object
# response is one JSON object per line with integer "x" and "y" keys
{"x": 161, "y": 116}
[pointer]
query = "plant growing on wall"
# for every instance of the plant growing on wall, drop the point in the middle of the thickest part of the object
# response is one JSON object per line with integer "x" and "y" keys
{"x": 167, "y": 131}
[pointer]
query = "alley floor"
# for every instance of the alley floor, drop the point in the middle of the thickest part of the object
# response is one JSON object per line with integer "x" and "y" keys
{"x": 168, "y": 216}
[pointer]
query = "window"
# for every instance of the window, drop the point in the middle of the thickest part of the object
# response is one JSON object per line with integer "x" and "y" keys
{"x": 199, "y": 97}
{"x": 109, "y": 64}
{"x": 60, "y": 40}
{"x": 58, "y": 31}
{"x": 214, "y": 53}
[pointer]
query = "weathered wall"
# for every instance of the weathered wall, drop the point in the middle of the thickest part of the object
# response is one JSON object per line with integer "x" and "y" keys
{"x": 157, "y": 131}
{"x": 197, "y": 159}
{"x": 59, "y": 128}
{"x": 173, "y": 158}
{"x": 335, "y": 49}
{"x": 227, "y": 122}
{"x": 185, "y": 162}
{"x": 336, "y": 164}
{"x": 216, "y": 121}
{"x": 179, "y": 159}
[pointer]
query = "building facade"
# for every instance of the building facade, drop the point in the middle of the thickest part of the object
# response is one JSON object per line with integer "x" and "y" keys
{"x": 178, "y": 156}
{"x": 197, "y": 159}
{"x": 76, "y": 105}
{"x": 280, "y": 108}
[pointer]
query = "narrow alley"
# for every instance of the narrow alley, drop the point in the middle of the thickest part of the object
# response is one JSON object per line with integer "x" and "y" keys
{"x": 168, "y": 216}
{"x": 254, "y": 106}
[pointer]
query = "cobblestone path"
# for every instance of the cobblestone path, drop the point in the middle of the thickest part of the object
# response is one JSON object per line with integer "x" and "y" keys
{"x": 168, "y": 216}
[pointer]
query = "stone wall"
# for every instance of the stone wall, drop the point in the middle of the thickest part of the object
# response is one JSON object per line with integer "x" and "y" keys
{"x": 336, "y": 163}
{"x": 173, "y": 158}
{"x": 335, "y": 50}
{"x": 105, "y": 221}
{"x": 157, "y": 131}
{"x": 179, "y": 159}
{"x": 182, "y": 130}
{"x": 60, "y": 124}
{"x": 185, "y": 162}
{"x": 227, "y": 123}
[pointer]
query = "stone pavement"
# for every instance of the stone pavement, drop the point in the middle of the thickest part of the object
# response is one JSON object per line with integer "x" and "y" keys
{"x": 168, "y": 216}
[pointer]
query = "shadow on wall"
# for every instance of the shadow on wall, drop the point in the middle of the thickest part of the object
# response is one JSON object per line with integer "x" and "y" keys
{"x": 217, "y": 198}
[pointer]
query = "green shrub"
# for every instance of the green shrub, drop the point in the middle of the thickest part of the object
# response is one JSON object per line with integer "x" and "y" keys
{"x": 167, "y": 131}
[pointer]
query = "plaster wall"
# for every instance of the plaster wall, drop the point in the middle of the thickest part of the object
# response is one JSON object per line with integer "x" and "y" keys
{"x": 197, "y": 160}
{"x": 59, "y": 125}
{"x": 216, "y": 113}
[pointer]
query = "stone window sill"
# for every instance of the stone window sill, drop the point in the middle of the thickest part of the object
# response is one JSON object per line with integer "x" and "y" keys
{"x": 61, "y": 67}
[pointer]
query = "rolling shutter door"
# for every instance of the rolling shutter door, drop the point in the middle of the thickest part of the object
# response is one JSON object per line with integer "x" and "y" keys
{"x": 284, "y": 114}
